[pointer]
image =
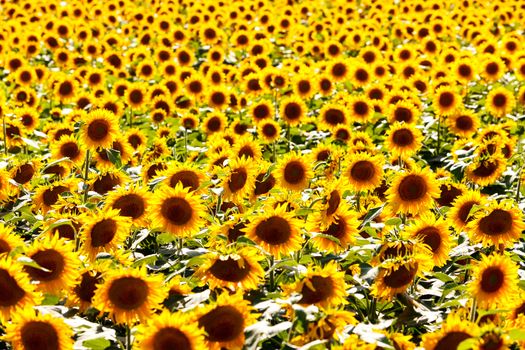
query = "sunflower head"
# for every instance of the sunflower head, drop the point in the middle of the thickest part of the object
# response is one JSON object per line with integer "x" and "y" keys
{"x": 176, "y": 211}
{"x": 494, "y": 280}
{"x": 129, "y": 294}
{"x": 224, "y": 321}
{"x": 413, "y": 192}
{"x": 275, "y": 230}
{"x": 99, "y": 129}
{"x": 31, "y": 330}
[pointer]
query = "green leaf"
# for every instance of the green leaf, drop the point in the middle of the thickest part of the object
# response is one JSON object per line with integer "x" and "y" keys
{"x": 148, "y": 259}
{"x": 372, "y": 214}
{"x": 114, "y": 157}
{"x": 443, "y": 277}
{"x": 165, "y": 238}
{"x": 517, "y": 334}
{"x": 393, "y": 221}
{"x": 50, "y": 300}
{"x": 27, "y": 261}
{"x": 467, "y": 344}
{"x": 97, "y": 344}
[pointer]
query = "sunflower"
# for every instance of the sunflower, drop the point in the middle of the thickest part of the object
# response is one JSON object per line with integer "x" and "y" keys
{"x": 261, "y": 110}
{"x": 6, "y": 187}
{"x": 224, "y": 321}
{"x": 304, "y": 86}
{"x": 214, "y": 122}
{"x": 265, "y": 181}
{"x": 177, "y": 211}
{"x": 99, "y": 129}
{"x": 136, "y": 95}
{"x": 132, "y": 202}
{"x": 446, "y": 101}
{"x": 28, "y": 118}
{"x": 453, "y": 332}
{"x": 82, "y": 292}
{"x": 464, "y": 123}
{"x": 269, "y": 130}
{"x": 339, "y": 69}
{"x": 292, "y": 110}
{"x": 331, "y": 115}
{"x": 23, "y": 172}
{"x": 240, "y": 179}
{"x": 15, "y": 133}
{"x": 360, "y": 76}
{"x": 500, "y": 102}
{"x": 68, "y": 147}
{"x": 189, "y": 121}
{"x": 9, "y": 240}
{"x": 65, "y": 89}
{"x": 322, "y": 286}
{"x": 499, "y": 223}
{"x": 17, "y": 291}
{"x": 492, "y": 68}
{"x": 103, "y": 231}
{"x": 294, "y": 172}
{"x": 128, "y": 294}
{"x": 32, "y": 331}
{"x": 364, "y": 171}
{"x": 108, "y": 180}
{"x": 46, "y": 196}
{"x": 495, "y": 280}
{"x": 399, "y": 264}
{"x": 403, "y": 140}
{"x": 329, "y": 326}
{"x": 493, "y": 337}
{"x": 465, "y": 70}
{"x": 484, "y": 171}
{"x": 237, "y": 269}
{"x": 276, "y": 231}
{"x": 188, "y": 175}
{"x": 433, "y": 232}
{"x": 170, "y": 331}
{"x": 120, "y": 145}
{"x": 403, "y": 111}
{"x": 360, "y": 108}
{"x": 343, "y": 226}
{"x": 413, "y": 192}
{"x": 56, "y": 255}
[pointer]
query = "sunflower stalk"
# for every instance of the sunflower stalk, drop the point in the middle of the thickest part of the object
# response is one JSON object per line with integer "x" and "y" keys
{"x": 130, "y": 118}
{"x": 185, "y": 144}
{"x": 4, "y": 129}
{"x": 271, "y": 273}
{"x": 128, "y": 337}
{"x": 473, "y": 310}
{"x": 438, "y": 147}
{"x": 86, "y": 171}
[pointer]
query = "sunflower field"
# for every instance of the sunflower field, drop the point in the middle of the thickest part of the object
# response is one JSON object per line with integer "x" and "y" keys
{"x": 262, "y": 174}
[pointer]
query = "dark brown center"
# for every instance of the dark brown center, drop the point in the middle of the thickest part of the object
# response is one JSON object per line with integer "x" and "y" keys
{"x": 128, "y": 293}
{"x": 177, "y": 210}
{"x": 275, "y": 230}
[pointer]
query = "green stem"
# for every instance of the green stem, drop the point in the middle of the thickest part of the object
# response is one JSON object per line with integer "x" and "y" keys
{"x": 86, "y": 171}
{"x": 439, "y": 137}
{"x": 272, "y": 286}
{"x": 185, "y": 144}
{"x": 128, "y": 337}
{"x": 473, "y": 310}
{"x": 288, "y": 137}
{"x": 130, "y": 119}
{"x": 5, "y": 134}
